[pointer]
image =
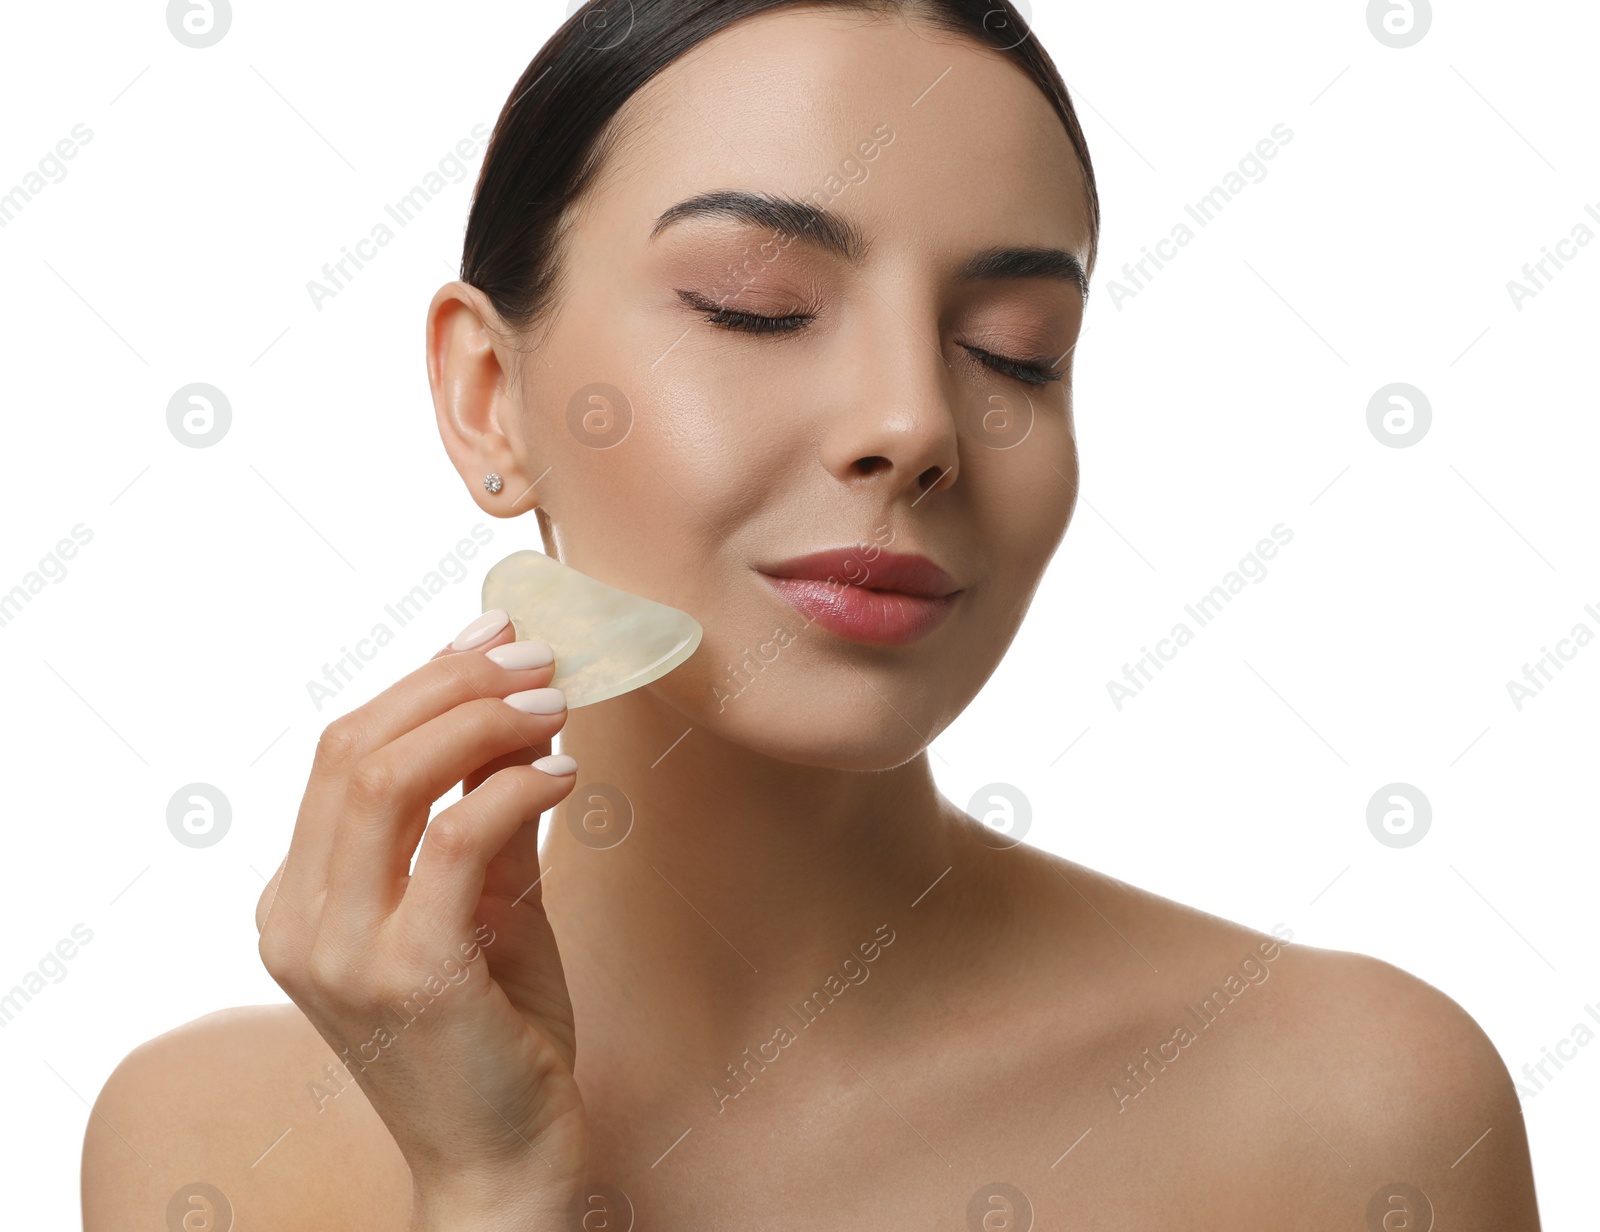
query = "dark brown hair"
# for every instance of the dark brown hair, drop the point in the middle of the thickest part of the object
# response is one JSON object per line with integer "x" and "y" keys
{"x": 555, "y": 129}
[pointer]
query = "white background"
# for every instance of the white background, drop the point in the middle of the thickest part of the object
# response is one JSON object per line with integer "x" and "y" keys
{"x": 1227, "y": 396}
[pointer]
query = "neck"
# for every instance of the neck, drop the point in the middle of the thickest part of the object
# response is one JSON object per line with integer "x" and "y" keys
{"x": 703, "y": 887}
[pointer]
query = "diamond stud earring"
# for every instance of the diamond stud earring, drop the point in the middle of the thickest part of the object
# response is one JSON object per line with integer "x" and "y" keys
{"x": 492, "y": 482}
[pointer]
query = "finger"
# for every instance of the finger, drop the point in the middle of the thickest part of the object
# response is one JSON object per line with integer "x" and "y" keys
{"x": 446, "y": 680}
{"x": 506, "y": 633}
{"x": 389, "y": 793}
{"x": 443, "y": 894}
{"x": 517, "y": 757}
{"x": 515, "y": 874}
{"x": 269, "y": 895}
{"x": 425, "y": 693}
{"x": 505, "y": 636}
{"x": 482, "y": 635}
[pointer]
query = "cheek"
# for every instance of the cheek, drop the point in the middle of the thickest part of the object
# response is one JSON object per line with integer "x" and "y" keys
{"x": 660, "y": 507}
{"x": 1023, "y": 497}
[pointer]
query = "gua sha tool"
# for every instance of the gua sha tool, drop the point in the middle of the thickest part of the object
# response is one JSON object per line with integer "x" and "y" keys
{"x": 606, "y": 640}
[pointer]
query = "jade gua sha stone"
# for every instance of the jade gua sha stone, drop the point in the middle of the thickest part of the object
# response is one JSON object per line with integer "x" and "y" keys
{"x": 606, "y": 640}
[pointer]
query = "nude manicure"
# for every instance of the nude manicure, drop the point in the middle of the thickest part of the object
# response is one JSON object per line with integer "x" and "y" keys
{"x": 481, "y": 629}
{"x": 538, "y": 701}
{"x": 522, "y": 655}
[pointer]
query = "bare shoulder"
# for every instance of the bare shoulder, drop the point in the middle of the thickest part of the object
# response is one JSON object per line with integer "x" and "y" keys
{"x": 1410, "y": 1089}
{"x": 245, "y": 1106}
{"x": 1367, "y": 1094}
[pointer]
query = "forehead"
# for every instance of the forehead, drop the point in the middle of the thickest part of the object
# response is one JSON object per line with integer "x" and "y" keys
{"x": 966, "y": 148}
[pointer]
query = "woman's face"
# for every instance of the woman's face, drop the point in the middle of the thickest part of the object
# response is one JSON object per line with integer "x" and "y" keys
{"x": 686, "y": 461}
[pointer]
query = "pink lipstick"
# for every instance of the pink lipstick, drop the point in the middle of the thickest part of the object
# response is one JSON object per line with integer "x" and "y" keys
{"x": 891, "y": 599}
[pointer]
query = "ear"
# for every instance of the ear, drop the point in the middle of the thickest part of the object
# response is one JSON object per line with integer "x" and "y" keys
{"x": 477, "y": 398}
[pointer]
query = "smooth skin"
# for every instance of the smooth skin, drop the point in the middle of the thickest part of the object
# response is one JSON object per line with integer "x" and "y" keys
{"x": 781, "y": 825}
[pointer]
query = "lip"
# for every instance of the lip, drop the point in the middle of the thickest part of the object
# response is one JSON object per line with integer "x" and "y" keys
{"x": 891, "y": 599}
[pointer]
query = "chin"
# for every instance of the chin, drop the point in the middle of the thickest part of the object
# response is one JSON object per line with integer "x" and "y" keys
{"x": 824, "y": 740}
{"x": 808, "y": 710}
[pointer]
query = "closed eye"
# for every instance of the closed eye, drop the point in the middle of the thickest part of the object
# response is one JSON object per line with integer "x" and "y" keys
{"x": 755, "y": 323}
{"x": 1033, "y": 374}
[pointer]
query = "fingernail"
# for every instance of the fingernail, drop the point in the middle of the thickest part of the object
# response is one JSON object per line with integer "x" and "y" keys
{"x": 538, "y": 701}
{"x": 556, "y": 763}
{"x": 481, "y": 629}
{"x": 520, "y": 655}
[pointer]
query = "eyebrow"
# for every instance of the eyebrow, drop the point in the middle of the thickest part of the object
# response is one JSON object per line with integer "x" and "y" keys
{"x": 836, "y": 234}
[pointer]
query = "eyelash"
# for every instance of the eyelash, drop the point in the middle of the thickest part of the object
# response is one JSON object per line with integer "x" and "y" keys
{"x": 755, "y": 323}
{"x": 1031, "y": 374}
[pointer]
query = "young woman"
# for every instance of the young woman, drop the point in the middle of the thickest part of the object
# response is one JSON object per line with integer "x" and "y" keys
{"x": 767, "y": 312}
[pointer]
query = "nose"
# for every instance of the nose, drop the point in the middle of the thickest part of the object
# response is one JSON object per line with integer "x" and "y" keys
{"x": 898, "y": 426}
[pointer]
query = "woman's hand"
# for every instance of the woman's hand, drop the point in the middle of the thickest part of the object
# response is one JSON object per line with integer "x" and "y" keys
{"x": 441, "y": 989}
